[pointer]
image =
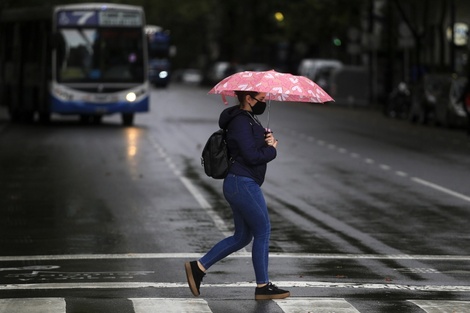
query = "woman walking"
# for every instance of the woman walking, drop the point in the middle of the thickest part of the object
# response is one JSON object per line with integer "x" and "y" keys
{"x": 252, "y": 148}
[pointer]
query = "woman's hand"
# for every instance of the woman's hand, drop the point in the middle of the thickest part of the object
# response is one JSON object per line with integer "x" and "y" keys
{"x": 270, "y": 140}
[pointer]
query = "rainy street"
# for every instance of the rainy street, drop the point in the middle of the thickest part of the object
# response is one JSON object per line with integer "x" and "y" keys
{"x": 368, "y": 213}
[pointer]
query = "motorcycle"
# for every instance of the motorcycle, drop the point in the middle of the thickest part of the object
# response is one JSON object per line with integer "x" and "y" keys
{"x": 399, "y": 102}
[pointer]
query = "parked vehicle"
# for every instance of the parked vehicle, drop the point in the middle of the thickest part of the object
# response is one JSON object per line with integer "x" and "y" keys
{"x": 349, "y": 86}
{"x": 454, "y": 113}
{"x": 440, "y": 100}
{"x": 466, "y": 105}
{"x": 256, "y": 67}
{"x": 319, "y": 70}
{"x": 215, "y": 73}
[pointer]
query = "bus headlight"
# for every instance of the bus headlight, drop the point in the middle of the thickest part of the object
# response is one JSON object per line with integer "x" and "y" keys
{"x": 63, "y": 94}
{"x": 131, "y": 96}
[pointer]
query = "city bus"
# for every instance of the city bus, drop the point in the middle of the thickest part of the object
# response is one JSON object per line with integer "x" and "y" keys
{"x": 89, "y": 60}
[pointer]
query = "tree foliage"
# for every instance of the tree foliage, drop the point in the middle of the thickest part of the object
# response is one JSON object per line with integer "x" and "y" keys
{"x": 243, "y": 30}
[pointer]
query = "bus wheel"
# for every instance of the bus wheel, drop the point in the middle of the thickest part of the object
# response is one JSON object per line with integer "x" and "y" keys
{"x": 44, "y": 117}
{"x": 85, "y": 118}
{"x": 96, "y": 119}
{"x": 127, "y": 119}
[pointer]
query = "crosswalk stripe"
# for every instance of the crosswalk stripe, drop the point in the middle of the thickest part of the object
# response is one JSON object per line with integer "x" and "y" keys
{"x": 197, "y": 305}
{"x": 316, "y": 305}
{"x": 282, "y": 284}
{"x": 442, "y": 306}
{"x": 32, "y": 305}
{"x": 187, "y": 255}
{"x": 155, "y": 305}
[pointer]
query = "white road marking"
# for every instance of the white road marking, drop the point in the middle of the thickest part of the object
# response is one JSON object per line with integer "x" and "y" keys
{"x": 32, "y": 268}
{"x": 432, "y": 306}
{"x": 385, "y": 167}
{"x": 281, "y": 284}
{"x": 32, "y": 305}
{"x": 399, "y": 173}
{"x": 193, "y": 305}
{"x": 203, "y": 203}
{"x": 440, "y": 188}
{"x": 170, "y": 305}
{"x": 369, "y": 161}
{"x": 402, "y": 174}
{"x": 185, "y": 255}
{"x": 315, "y": 305}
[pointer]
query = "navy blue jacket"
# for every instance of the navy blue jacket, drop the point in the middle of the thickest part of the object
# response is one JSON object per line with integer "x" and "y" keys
{"x": 245, "y": 141}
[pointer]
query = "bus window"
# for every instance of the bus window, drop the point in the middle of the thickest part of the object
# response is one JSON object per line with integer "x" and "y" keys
{"x": 100, "y": 55}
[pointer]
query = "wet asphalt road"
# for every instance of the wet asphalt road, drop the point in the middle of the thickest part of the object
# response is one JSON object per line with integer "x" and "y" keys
{"x": 368, "y": 213}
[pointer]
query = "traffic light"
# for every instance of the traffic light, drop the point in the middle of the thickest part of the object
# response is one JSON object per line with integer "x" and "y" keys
{"x": 336, "y": 41}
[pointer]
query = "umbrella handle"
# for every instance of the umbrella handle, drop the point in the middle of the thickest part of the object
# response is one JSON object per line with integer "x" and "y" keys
{"x": 269, "y": 111}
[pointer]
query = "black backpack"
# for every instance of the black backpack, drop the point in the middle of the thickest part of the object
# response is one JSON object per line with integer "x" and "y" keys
{"x": 215, "y": 157}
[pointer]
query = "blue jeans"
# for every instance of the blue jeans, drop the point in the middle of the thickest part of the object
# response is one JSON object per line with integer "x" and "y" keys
{"x": 251, "y": 219}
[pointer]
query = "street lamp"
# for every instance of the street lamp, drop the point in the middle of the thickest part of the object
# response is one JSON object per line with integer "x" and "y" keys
{"x": 279, "y": 16}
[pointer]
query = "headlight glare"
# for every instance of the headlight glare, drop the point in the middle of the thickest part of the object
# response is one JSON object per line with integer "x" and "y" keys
{"x": 131, "y": 97}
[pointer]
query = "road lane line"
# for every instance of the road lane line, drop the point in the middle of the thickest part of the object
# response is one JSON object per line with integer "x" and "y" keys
{"x": 369, "y": 161}
{"x": 385, "y": 167}
{"x": 403, "y": 174}
{"x": 203, "y": 203}
{"x": 442, "y": 306}
{"x": 183, "y": 255}
{"x": 281, "y": 284}
{"x": 315, "y": 305}
{"x": 440, "y": 188}
{"x": 32, "y": 305}
{"x": 170, "y": 305}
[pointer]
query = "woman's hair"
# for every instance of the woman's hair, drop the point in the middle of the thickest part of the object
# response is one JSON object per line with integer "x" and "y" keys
{"x": 242, "y": 94}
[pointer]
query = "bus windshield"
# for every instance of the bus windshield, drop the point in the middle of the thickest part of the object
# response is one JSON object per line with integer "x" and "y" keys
{"x": 100, "y": 55}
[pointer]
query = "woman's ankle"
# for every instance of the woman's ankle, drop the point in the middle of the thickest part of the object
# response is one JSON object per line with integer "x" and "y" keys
{"x": 201, "y": 267}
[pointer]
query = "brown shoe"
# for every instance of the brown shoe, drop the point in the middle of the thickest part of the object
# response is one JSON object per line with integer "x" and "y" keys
{"x": 194, "y": 276}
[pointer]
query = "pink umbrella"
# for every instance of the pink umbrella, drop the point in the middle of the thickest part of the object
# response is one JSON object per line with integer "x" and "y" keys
{"x": 278, "y": 86}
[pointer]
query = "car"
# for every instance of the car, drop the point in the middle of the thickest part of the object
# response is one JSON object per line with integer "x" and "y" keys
{"x": 348, "y": 85}
{"x": 439, "y": 99}
{"x": 191, "y": 76}
{"x": 319, "y": 70}
{"x": 257, "y": 67}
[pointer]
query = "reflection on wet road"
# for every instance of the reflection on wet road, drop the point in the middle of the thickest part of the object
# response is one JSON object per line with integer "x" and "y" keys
{"x": 368, "y": 214}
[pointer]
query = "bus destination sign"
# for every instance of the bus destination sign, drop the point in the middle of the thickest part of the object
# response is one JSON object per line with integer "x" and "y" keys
{"x": 99, "y": 18}
{"x": 120, "y": 18}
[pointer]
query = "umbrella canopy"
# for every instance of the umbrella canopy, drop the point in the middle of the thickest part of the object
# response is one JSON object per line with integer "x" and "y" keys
{"x": 277, "y": 86}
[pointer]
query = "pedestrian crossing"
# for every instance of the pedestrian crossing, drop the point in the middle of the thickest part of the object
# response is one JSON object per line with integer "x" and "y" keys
{"x": 199, "y": 305}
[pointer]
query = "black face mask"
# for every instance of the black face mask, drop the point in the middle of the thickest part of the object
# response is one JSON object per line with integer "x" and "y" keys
{"x": 258, "y": 108}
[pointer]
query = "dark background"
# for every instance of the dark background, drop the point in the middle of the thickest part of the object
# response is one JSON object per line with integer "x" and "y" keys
{"x": 397, "y": 40}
